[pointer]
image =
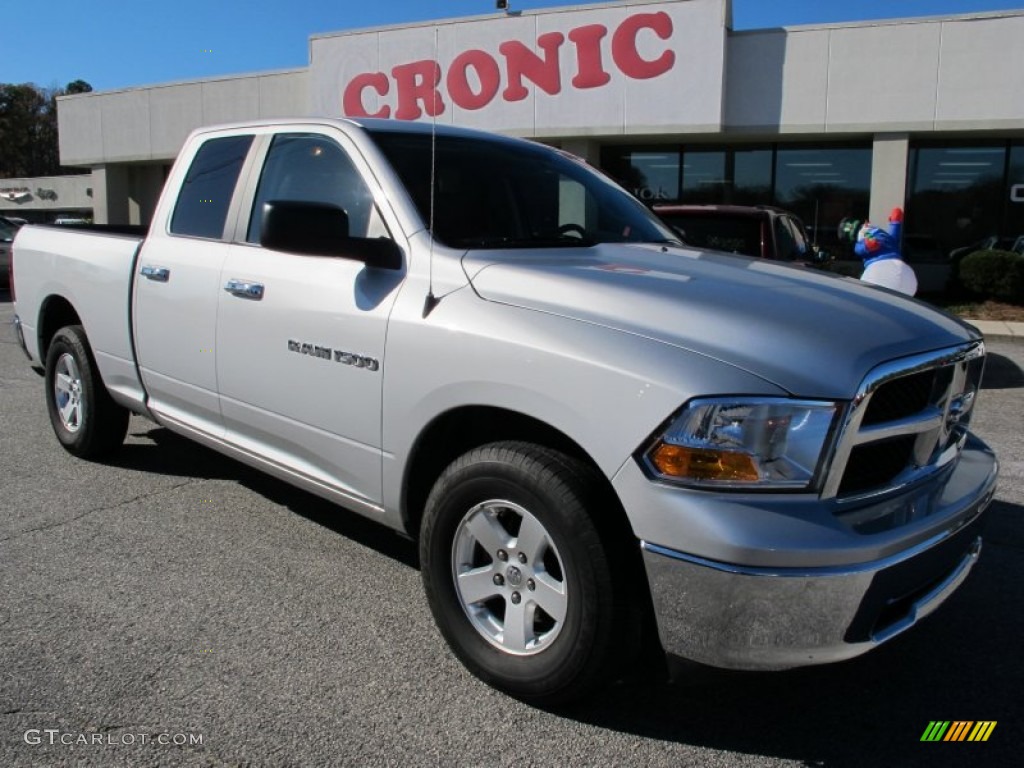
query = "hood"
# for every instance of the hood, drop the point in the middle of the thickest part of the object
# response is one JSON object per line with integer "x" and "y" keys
{"x": 812, "y": 333}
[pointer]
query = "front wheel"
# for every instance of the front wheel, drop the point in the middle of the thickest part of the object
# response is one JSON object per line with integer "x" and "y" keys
{"x": 85, "y": 419}
{"x": 517, "y": 573}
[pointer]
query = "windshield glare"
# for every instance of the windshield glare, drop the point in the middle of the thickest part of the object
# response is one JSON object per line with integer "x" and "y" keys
{"x": 496, "y": 194}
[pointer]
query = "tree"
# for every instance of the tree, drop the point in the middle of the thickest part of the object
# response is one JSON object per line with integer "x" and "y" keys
{"x": 78, "y": 86}
{"x": 28, "y": 128}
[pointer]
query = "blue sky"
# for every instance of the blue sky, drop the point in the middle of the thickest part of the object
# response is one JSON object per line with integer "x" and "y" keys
{"x": 122, "y": 43}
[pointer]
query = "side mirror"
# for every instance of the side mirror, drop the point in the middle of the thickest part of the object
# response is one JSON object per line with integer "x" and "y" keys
{"x": 319, "y": 229}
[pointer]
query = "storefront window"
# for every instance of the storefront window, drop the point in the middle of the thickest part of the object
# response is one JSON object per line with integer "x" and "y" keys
{"x": 704, "y": 177}
{"x": 1014, "y": 197}
{"x": 727, "y": 176}
{"x": 957, "y": 195}
{"x": 822, "y": 185}
{"x": 651, "y": 175}
{"x": 752, "y": 176}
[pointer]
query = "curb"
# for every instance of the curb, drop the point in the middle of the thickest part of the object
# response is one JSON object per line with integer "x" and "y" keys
{"x": 997, "y": 327}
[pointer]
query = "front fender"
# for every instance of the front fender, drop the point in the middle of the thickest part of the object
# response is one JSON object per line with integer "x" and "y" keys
{"x": 606, "y": 390}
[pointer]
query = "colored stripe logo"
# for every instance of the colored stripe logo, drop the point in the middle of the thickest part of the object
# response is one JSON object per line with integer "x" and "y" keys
{"x": 958, "y": 730}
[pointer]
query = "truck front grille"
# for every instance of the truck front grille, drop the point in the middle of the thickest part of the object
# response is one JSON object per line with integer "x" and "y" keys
{"x": 909, "y": 418}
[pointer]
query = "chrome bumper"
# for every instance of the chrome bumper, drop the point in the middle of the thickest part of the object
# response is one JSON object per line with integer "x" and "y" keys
{"x": 771, "y": 617}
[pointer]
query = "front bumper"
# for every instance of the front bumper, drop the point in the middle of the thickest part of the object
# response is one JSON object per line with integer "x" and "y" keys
{"x": 769, "y": 615}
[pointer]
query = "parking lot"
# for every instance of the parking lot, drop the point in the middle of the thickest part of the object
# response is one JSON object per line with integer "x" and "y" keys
{"x": 174, "y": 607}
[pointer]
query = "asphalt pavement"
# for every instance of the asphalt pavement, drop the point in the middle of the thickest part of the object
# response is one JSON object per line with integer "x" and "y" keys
{"x": 173, "y": 607}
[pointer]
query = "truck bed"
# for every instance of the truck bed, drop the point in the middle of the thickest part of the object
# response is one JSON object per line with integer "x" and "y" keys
{"x": 90, "y": 267}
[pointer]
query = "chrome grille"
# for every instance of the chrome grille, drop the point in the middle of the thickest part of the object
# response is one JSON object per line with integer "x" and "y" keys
{"x": 909, "y": 418}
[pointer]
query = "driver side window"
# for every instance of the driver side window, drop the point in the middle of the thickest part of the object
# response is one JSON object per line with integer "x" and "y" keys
{"x": 312, "y": 168}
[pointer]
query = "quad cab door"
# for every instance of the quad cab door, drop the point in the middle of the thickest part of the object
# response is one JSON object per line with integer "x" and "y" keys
{"x": 300, "y": 339}
{"x": 177, "y": 286}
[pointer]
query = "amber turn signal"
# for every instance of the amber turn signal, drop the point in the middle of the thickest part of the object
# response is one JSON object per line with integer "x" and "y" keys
{"x": 683, "y": 463}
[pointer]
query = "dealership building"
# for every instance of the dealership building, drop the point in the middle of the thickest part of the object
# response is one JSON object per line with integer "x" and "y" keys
{"x": 826, "y": 120}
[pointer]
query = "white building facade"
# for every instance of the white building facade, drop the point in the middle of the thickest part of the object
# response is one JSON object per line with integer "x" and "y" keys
{"x": 828, "y": 120}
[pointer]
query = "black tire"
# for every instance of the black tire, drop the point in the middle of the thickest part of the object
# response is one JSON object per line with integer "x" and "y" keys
{"x": 506, "y": 483}
{"x": 88, "y": 423}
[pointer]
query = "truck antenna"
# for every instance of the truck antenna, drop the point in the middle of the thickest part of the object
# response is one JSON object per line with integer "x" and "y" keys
{"x": 432, "y": 300}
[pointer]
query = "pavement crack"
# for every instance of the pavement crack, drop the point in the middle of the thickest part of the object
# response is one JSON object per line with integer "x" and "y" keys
{"x": 94, "y": 510}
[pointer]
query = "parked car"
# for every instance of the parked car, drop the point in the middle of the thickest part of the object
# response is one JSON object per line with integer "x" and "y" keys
{"x": 7, "y": 230}
{"x": 758, "y": 230}
{"x": 990, "y": 243}
{"x": 1012, "y": 243}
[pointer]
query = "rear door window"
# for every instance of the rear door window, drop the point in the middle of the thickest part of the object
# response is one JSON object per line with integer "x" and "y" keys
{"x": 735, "y": 234}
{"x": 789, "y": 237}
{"x": 202, "y": 206}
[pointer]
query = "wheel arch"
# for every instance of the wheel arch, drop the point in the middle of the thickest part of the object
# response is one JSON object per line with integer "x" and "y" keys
{"x": 454, "y": 432}
{"x": 55, "y": 312}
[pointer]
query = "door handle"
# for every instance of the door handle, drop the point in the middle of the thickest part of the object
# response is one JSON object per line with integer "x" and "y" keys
{"x": 160, "y": 274}
{"x": 244, "y": 289}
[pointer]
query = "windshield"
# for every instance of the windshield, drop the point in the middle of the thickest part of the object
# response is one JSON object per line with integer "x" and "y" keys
{"x": 498, "y": 194}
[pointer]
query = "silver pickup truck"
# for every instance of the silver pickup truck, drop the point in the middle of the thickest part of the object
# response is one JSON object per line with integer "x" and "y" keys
{"x": 602, "y": 440}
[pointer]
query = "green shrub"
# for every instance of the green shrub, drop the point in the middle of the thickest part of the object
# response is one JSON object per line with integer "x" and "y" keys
{"x": 994, "y": 275}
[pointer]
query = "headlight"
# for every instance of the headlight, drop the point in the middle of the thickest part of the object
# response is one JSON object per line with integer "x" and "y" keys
{"x": 744, "y": 442}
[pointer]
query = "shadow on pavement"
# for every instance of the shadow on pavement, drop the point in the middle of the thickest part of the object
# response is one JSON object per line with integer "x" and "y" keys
{"x": 171, "y": 454}
{"x": 1001, "y": 373}
{"x": 962, "y": 663}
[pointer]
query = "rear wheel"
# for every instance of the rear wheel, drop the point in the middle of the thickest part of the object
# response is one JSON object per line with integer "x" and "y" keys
{"x": 85, "y": 419}
{"x": 518, "y": 575}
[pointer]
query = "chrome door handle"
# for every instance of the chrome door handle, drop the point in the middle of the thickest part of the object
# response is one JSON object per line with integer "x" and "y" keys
{"x": 244, "y": 289}
{"x": 160, "y": 274}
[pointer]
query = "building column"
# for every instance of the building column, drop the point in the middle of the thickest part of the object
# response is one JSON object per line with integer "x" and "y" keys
{"x": 110, "y": 194}
{"x": 145, "y": 184}
{"x": 588, "y": 149}
{"x": 126, "y": 194}
{"x": 889, "y": 158}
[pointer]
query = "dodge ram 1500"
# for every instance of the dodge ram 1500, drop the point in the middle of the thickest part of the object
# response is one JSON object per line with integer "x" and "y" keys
{"x": 590, "y": 429}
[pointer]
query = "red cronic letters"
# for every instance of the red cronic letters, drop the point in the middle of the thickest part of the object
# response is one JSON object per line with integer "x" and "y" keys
{"x": 417, "y": 82}
{"x": 474, "y": 77}
{"x": 352, "y": 100}
{"x": 487, "y": 72}
{"x": 522, "y": 62}
{"x": 624, "y": 51}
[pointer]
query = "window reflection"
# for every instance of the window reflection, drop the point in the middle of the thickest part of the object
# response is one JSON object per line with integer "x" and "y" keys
{"x": 752, "y": 176}
{"x": 822, "y": 185}
{"x": 959, "y": 195}
{"x": 956, "y": 194}
{"x": 1013, "y": 225}
{"x": 651, "y": 175}
{"x": 704, "y": 177}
